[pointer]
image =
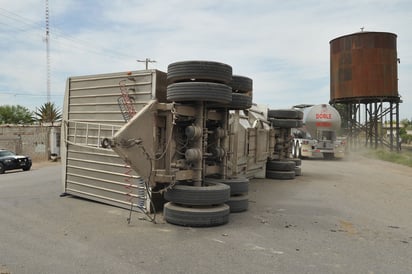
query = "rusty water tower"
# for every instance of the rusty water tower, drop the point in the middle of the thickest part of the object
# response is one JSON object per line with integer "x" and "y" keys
{"x": 364, "y": 79}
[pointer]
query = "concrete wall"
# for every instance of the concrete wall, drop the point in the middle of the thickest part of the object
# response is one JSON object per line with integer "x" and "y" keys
{"x": 34, "y": 140}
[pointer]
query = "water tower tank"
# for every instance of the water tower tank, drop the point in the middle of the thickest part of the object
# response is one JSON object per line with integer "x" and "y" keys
{"x": 363, "y": 65}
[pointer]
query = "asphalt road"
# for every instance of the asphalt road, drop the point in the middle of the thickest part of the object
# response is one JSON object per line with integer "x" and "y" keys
{"x": 350, "y": 216}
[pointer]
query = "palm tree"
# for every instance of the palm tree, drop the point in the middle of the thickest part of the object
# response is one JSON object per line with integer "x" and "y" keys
{"x": 48, "y": 113}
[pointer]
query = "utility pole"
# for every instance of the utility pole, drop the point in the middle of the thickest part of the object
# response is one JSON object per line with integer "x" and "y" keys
{"x": 147, "y": 61}
{"x": 47, "y": 40}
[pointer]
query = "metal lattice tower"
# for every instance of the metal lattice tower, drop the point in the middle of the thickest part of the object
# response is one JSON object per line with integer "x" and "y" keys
{"x": 47, "y": 40}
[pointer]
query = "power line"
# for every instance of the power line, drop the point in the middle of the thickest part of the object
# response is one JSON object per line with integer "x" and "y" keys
{"x": 28, "y": 94}
{"x": 21, "y": 19}
{"x": 15, "y": 27}
{"x": 63, "y": 37}
{"x": 72, "y": 44}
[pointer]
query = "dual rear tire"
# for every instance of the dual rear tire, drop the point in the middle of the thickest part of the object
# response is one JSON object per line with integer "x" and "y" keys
{"x": 208, "y": 81}
{"x": 208, "y": 205}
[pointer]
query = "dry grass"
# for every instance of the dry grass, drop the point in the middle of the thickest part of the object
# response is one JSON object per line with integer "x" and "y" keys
{"x": 403, "y": 158}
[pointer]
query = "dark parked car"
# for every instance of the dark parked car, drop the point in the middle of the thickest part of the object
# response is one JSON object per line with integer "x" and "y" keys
{"x": 9, "y": 160}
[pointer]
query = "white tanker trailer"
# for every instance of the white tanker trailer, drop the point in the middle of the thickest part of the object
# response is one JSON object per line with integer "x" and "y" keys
{"x": 318, "y": 135}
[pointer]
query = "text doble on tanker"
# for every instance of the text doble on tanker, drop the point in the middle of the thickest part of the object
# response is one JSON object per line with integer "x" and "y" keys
{"x": 323, "y": 116}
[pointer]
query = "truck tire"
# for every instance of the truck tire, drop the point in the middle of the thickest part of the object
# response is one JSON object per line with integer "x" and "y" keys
{"x": 281, "y": 165}
{"x": 237, "y": 185}
{"x": 196, "y": 216}
{"x": 285, "y": 114}
{"x": 199, "y": 91}
{"x": 213, "y": 193}
{"x": 238, "y": 203}
{"x": 240, "y": 101}
{"x": 285, "y": 123}
{"x": 297, "y": 161}
{"x": 298, "y": 171}
{"x": 199, "y": 71}
{"x": 241, "y": 84}
{"x": 280, "y": 175}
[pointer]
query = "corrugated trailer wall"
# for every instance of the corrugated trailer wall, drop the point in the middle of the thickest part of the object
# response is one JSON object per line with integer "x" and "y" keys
{"x": 91, "y": 116}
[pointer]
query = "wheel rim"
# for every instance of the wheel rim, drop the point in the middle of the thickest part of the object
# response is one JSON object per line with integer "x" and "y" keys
{"x": 294, "y": 150}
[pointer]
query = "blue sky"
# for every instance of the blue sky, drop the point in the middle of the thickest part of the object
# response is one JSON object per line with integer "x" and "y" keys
{"x": 282, "y": 45}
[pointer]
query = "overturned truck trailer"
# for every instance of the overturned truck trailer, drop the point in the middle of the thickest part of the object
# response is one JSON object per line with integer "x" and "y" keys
{"x": 190, "y": 136}
{"x": 93, "y": 111}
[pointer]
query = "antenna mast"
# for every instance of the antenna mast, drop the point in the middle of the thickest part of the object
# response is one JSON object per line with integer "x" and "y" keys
{"x": 47, "y": 40}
